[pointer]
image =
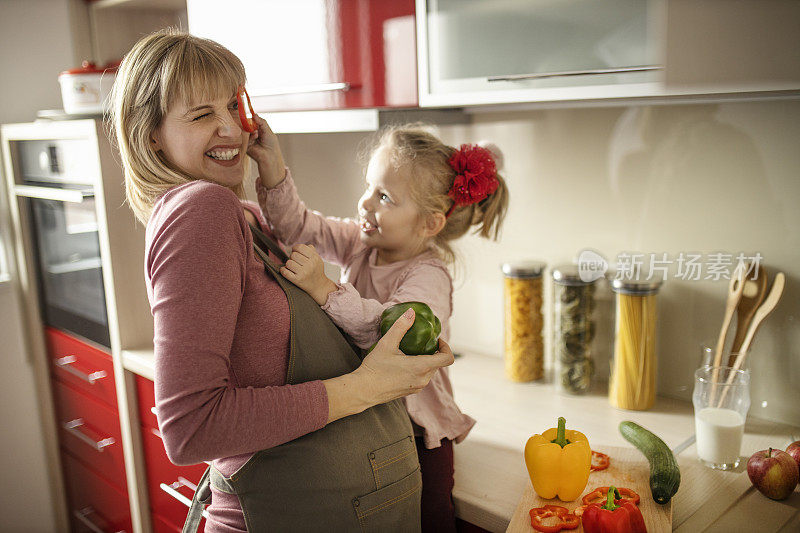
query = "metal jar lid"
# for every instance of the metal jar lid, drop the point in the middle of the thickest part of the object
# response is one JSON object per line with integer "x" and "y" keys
{"x": 568, "y": 274}
{"x": 637, "y": 287}
{"x": 524, "y": 269}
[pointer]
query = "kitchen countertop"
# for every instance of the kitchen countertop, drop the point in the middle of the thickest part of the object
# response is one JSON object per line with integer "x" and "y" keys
{"x": 490, "y": 474}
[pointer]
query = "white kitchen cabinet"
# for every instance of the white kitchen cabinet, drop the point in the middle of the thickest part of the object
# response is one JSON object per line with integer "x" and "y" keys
{"x": 476, "y": 52}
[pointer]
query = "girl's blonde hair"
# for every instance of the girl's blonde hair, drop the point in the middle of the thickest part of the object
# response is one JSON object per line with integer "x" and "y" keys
{"x": 416, "y": 149}
{"x": 163, "y": 68}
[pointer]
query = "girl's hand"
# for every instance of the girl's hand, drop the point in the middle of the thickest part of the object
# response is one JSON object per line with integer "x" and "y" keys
{"x": 385, "y": 374}
{"x": 306, "y": 270}
{"x": 266, "y": 151}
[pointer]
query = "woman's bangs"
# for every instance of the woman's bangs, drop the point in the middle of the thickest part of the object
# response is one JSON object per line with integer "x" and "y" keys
{"x": 202, "y": 75}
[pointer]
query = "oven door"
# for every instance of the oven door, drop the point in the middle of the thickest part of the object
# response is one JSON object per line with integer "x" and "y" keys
{"x": 69, "y": 269}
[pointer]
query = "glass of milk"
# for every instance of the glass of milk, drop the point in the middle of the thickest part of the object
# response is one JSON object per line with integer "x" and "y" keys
{"x": 721, "y": 400}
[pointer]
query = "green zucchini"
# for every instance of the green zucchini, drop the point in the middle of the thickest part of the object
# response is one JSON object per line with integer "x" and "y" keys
{"x": 665, "y": 476}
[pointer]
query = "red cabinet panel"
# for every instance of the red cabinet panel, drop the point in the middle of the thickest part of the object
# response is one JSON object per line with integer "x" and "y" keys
{"x": 147, "y": 402}
{"x": 165, "y": 479}
{"x": 94, "y": 503}
{"x": 90, "y": 431}
{"x": 161, "y": 525}
{"x": 82, "y": 365}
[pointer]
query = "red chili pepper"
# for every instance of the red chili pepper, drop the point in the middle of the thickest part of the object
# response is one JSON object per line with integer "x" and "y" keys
{"x": 565, "y": 519}
{"x": 613, "y": 518}
{"x": 246, "y": 115}
{"x": 600, "y": 461}
{"x": 600, "y": 495}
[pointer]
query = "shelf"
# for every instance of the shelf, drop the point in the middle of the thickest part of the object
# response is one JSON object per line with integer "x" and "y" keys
{"x": 141, "y": 362}
{"x": 355, "y": 120}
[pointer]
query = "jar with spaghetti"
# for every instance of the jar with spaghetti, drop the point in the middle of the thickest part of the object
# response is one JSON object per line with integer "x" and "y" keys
{"x": 632, "y": 384}
{"x": 573, "y": 328}
{"x": 524, "y": 346}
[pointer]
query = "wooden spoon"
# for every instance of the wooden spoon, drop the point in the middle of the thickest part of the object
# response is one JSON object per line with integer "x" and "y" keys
{"x": 755, "y": 291}
{"x": 765, "y": 309}
{"x": 735, "y": 289}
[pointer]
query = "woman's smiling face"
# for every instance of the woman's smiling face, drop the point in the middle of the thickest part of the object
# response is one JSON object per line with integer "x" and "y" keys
{"x": 204, "y": 139}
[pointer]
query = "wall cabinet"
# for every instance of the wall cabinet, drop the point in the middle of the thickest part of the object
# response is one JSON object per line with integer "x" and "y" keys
{"x": 317, "y": 54}
{"x": 473, "y": 52}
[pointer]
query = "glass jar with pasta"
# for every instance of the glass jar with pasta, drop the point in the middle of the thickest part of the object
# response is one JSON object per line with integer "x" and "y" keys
{"x": 573, "y": 329}
{"x": 632, "y": 384}
{"x": 524, "y": 346}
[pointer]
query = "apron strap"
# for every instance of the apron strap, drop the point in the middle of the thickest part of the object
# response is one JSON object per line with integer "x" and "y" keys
{"x": 201, "y": 498}
{"x": 265, "y": 241}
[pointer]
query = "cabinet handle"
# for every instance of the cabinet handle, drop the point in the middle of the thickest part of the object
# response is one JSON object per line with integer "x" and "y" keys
{"x": 73, "y": 425}
{"x": 65, "y": 362}
{"x": 83, "y": 516}
{"x": 564, "y": 73}
{"x": 302, "y": 89}
{"x": 153, "y": 410}
{"x": 172, "y": 490}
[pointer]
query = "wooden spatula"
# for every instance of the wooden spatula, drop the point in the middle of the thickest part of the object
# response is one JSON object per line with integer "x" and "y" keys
{"x": 755, "y": 291}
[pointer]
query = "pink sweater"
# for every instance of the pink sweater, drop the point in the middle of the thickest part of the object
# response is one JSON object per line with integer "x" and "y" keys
{"x": 221, "y": 341}
{"x": 366, "y": 289}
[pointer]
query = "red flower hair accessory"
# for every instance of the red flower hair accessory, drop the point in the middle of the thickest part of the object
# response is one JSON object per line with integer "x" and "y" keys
{"x": 476, "y": 175}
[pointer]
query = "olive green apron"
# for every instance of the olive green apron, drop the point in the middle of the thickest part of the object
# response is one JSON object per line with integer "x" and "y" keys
{"x": 358, "y": 473}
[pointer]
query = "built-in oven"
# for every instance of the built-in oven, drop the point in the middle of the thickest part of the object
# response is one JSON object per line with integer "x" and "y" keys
{"x": 56, "y": 182}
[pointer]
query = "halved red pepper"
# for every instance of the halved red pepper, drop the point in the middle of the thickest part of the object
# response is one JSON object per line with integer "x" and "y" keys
{"x": 600, "y": 495}
{"x": 565, "y": 519}
{"x": 246, "y": 115}
{"x": 613, "y": 518}
{"x": 600, "y": 461}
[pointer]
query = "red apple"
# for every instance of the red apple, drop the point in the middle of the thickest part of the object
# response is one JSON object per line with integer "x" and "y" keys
{"x": 794, "y": 450}
{"x": 774, "y": 473}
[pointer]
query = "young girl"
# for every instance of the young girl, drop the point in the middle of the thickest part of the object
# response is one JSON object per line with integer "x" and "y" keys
{"x": 420, "y": 195}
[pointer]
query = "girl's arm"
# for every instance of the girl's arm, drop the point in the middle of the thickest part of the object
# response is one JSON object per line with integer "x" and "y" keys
{"x": 428, "y": 282}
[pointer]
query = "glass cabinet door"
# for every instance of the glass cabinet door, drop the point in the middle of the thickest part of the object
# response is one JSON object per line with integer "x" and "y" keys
{"x": 474, "y": 46}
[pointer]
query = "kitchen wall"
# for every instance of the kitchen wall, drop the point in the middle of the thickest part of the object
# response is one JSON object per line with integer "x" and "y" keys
{"x": 700, "y": 178}
{"x": 36, "y": 45}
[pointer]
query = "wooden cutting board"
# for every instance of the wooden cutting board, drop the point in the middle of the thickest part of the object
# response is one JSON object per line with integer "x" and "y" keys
{"x": 629, "y": 468}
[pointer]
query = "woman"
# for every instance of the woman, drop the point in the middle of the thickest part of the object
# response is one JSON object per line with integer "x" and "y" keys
{"x": 250, "y": 373}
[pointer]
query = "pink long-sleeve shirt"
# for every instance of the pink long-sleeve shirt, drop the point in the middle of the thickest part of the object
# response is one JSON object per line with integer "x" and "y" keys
{"x": 366, "y": 289}
{"x": 221, "y": 341}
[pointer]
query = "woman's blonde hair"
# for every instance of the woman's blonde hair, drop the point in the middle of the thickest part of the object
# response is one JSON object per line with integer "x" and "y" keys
{"x": 426, "y": 157}
{"x": 163, "y": 68}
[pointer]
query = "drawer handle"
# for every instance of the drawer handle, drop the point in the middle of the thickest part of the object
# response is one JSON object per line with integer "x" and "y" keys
{"x": 153, "y": 410}
{"x": 73, "y": 425}
{"x": 172, "y": 490}
{"x": 588, "y": 72}
{"x": 83, "y": 516}
{"x": 67, "y": 360}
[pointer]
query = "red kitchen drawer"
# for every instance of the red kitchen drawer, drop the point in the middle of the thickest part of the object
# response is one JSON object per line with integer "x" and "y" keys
{"x": 162, "y": 525}
{"x": 145, "y": 390}
{"x": 84, "y": 366}
{"x": 94, "y": 503}
{"x": 175, "y": 479}
{"x": 90, "y": 431}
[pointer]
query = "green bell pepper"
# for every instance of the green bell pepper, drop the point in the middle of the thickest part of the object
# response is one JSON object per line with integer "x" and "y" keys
{"x": 423, "y": 336}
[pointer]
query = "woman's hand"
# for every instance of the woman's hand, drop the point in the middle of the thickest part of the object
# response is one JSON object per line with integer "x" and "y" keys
{"x": 306, "y": 270}
{"x": 385, "y": 374}
{"x": 266, "y": 151}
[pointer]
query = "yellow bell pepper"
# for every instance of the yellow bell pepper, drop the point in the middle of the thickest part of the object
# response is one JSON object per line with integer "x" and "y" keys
{"x": 558, "y": 462}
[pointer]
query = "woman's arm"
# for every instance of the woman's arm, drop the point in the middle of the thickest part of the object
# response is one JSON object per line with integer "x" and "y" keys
{"x": 385, "y": 374}
{"x": 196, "y": 260}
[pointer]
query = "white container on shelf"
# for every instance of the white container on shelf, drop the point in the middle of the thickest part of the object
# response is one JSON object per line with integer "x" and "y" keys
{"x": 84, "y": 89}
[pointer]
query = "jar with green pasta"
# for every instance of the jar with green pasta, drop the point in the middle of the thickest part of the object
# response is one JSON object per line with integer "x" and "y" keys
{"x": 573, "y": 328}
{"x": 524, "y": 346}
{"x": 632, "y": 384}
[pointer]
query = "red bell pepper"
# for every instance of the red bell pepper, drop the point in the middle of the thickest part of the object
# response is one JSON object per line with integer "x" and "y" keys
{"x": 613, "y": 518}
{"x": 600, "y": 461}
{"x": 600, "y": 495}
{"x": 564, "y": 519}
{"x": 246, "y": 115}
